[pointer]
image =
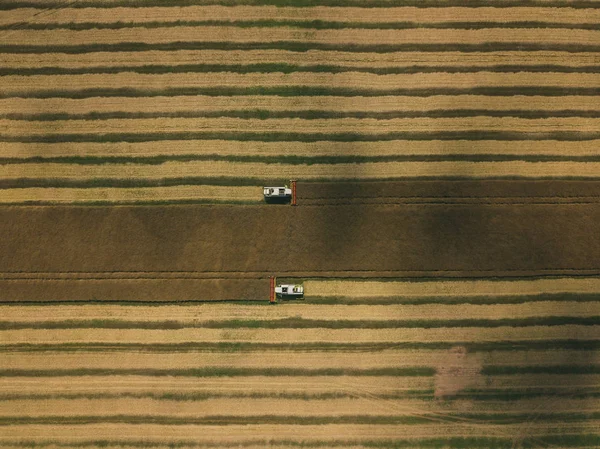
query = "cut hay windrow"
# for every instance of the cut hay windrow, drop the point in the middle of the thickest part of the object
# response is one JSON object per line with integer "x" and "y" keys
{"x": 290, "y": 34}
{"x": 226, "y": 148}
{"x": 378, "y": 84}
{"x": 439, "y": 359}
{"x": 374, "y": 170}
{"x": 522, "y": 60}
{"x": 203, "y": 313}
{"x": 224, "y": 14}
{"x": 270, "y": 106}
{"x": 16, "y": 128}
{"x": 306, "y": 335}
{"x": 453, "y": 288}
{"x": 119, "y": 195}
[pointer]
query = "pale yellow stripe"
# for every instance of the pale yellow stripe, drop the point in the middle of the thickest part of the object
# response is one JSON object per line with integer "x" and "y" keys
{"x": 73, "y": 195}
{"x": 312, "y": 57}
{"x": 13, "y": 85}
{"x": 323, "y": 148}
{"x": 452, "y": 288}
{"x": 375, "y": 170}
{"x": 351, "y": 14}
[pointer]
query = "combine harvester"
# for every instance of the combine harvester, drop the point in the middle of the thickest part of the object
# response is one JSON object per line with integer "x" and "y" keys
{"x": 284, "y": 291}
{"x": 281, "y": 194}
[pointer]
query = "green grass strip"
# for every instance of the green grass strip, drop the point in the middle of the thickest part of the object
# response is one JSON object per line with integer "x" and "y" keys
{"x": 108, "y": 182}
{"x": 304, "y": 137}
{"x": 415, "y": 371}
{"x": 14, "y": 4}
{"x": 300, "y": 323}
{"x": 302, "y": 91}
{"x": 297, "y": 47}
{"x": 236, "y": 347}
{"x": 292, "y": 68}
{"x": 264, "y": 114}
{"x": 308, "y": 24}
{"x": 582, "y": 440}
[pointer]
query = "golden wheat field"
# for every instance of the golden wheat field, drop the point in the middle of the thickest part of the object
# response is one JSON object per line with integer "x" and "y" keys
{"x": 448, "y": 163}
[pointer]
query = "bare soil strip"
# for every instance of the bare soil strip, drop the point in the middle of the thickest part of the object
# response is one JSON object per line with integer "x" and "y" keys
{"x": 257, "y": 432}
{"x": 285, "y": 359}
{"x": 452, "y": 288}
{"x": 22, "y": 85}
{"x": 14, "y": 128}
{"x": 306, "y": 335}
{"x": 321, "y": 148}
{"x": 120, "y": 195}
{"x": 199, "y": 313}
{"x": 323, "y": 13}
{"x": 170, "y": 105}
{"x": 251, "y": 170}
{"x": 523, "y": 59}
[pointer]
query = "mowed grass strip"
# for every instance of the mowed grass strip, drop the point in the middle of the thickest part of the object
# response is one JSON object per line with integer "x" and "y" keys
{"x": 297, "y": 150}
{"x": 287, "y": 60}
{"x": 319, "y": 16}
{"x": 297, "y": 81}
{"x": 202, "y": 193}
{"x": 311, "y": 312}
{"x": 15, "y": 175}
{"x": 339, "y": 37}
{"x": 308, "y": 335}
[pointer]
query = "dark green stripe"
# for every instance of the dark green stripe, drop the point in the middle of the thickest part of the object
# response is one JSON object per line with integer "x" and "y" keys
{"x": 583, "y": 440}
{"x": 309, "y": 24}
{"x": 304, "y": 137}
{"x": 14, "y": 4}
{"x": 235, "y": 347}
{"x": 300, "y": 160}
{"x": 293, "y": 68}
{"x": 413, "y": 371}
{"x": 264, "y": 114}
{"x": 302, "y": 91}
{"x": 300, "y": 323}
{"x": 298, "y": 47}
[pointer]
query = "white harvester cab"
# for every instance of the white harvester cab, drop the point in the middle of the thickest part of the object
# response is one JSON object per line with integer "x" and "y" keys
{"x": 277, "y": 192}
{"x": 290, "y": 290}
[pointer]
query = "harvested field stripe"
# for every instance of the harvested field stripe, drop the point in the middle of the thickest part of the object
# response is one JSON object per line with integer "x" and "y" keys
{"x": 300, "y": 91}
{"x": 264, "y": 114}
{"x": 395, "y": 358}
{"x": 15, "y": 4}
{"x": 415, "y": 371}
{"x": 486, "y": 47}
{"x": 454, "y": 288}
{"x": 18, "y": 174}
{"x": 321, "y": 16}
{"x": 521, "y": 59}
{"x": 354, "y": 38}
{"x": 299, "y": 323}
{"x": 198, "y": 314}
{"x": 248, "y": 347}
{"x": 99, "y": 107}
{"x": 175, "y": 193}
{"x": 319, "y": 335}
{"x": 296, "y": 82}
{"x": 311, "y": 24}
{"x": 300, "y": 149}
{"x": 549, "y": 369}
{"x": 291, "y": 68}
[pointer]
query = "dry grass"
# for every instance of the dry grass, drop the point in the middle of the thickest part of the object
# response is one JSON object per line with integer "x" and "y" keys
{"x": 452, "y": 288}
